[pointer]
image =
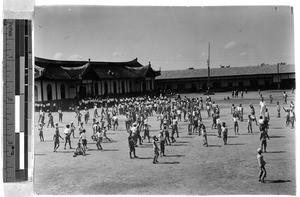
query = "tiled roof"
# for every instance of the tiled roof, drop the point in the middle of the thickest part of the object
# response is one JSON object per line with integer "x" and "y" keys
{"x": 222, "y": 72}
{"x": 112, "y": 71}
{"x": 52, "y": 69}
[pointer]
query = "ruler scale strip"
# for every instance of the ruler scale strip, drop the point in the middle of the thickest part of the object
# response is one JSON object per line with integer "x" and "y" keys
{"x": 17, "y": 92}
{"x": 9, "y": 89}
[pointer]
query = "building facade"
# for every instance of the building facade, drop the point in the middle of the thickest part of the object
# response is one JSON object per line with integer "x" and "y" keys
{"x": 228, "y": 78}
{"x": 57, "y": 80}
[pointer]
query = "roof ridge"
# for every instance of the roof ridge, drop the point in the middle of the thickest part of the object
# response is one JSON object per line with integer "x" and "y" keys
{"x": 235, "y": 67}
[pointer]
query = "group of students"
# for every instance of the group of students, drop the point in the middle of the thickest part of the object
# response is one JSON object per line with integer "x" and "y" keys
{"x": 169, "y": 114}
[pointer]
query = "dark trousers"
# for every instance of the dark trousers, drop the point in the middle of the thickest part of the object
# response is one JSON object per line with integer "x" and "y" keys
{"x": 132, "y": 150}
{"x": 167, "y": 139}
{"x": 263, "y": 145}
{"x": 162, "y": 148}
{"x": 146, "y": 134}
{"x": 155, "y": 156}
{"x": 262, "y": 173}
{"x": 225, "y": 138}
{"x": 67, "y": 140}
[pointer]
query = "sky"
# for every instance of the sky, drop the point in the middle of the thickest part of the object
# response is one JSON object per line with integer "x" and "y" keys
{"x": 171, "y": 38}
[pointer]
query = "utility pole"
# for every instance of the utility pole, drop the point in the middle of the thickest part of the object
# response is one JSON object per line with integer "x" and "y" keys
{"x": 208, "y": 69}
{"x": 278, "y": 82}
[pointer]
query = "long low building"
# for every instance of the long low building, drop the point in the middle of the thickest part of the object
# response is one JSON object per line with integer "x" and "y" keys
{"x": 228, "y": 78}
{"x": 56, "y": 80}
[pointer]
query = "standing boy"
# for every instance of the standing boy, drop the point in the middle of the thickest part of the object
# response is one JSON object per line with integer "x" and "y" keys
{"x": 261, "y": 162}
{"x": 156, "y": 149}
{"x": 60, "y": 115}
{"x": 72, "y": 129}
{"x": 278, "y": 110}
{"x": 235, "y": 124}
{"x": 67, "y": 133}
{"x": 249, "y": 127}
{"x": 131, "y": 146}
{"x": 285, "y": 97}
{"x": 83, "y": 139}
{"x": 162, "y": 143}
{"x": 99, "y": 137}
{"x": 146, "y": 132}
{"x": 80, "y": 129}
{"x": 224, "y": 132}
{"x": 263, "y": 139}
{"x": 204, "y": 134}
{"x": 219, "y": 126}
{"x": 41, "y": 134}
{"x": 86, "y": 115}
{"x": 56, "y": 140}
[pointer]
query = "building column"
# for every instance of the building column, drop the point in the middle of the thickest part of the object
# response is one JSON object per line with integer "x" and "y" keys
{"x": 111, "y": 86}
{"x": 100, "y": 87}
{"x": 58, "y": 93}
{"x": 128, "y": 85}
{"x": 42, "y": 91}
{"x": 108, "y": 86}
{"x": 54, "y": 93}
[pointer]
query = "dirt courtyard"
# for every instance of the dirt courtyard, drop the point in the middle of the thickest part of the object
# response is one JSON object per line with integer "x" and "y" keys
{"x": 189, "y": 168}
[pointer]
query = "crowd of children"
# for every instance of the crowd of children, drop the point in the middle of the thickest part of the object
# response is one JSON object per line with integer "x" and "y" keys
{"x": 169, "y": 113}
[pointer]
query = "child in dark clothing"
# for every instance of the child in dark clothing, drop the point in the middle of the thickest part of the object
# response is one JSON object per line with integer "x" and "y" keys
{"x": 131, "y": 146}
{"x": 56, "y": 140}
{"x": 156, "y": 149}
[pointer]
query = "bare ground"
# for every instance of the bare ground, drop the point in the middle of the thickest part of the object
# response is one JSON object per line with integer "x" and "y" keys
{"x": 188, "y": 169}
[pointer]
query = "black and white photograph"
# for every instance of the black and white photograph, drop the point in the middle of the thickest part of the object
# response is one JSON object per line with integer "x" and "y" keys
{"x": 164, "y": 100}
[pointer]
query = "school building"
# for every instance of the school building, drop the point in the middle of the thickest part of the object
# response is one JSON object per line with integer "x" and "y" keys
{"x": 228, "y": 78}
{"x": 57, "y": 80}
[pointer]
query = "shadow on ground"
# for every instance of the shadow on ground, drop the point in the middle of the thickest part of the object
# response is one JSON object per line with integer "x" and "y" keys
{"x": 277, "y": 136}
{"x": 278, "y": 181}
{"x": 214, "y": 146}
{"x": 169, "y": 162}
{"x": 175, "y": 156}
{"x": 276, "y": 152}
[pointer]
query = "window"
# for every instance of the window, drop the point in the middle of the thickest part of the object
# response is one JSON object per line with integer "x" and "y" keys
{"x": 216, "y": 85}
{"x": 62, "y": 91}
{"x": 123, "y": 87}
{"x": 130, "y": 86}
{"x": 82, "y": 91}
{"x": 115, "y": 87}
{"x": 150, "y": 83}
{"x": 49, "y": 92}
{"x": 254, "y": 83}
{"x": 96, "y": 89}
{"x": 181, "y": 86}
{"x": 144, "y": 86}
{"x": 105, "y": 88}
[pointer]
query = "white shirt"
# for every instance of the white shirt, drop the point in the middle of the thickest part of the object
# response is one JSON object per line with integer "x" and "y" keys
{"x": 134, "y": 129}
{"x": 83, "y": 136}
{"x": 66, "y": 131}
{"x": 262, "y": 104}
